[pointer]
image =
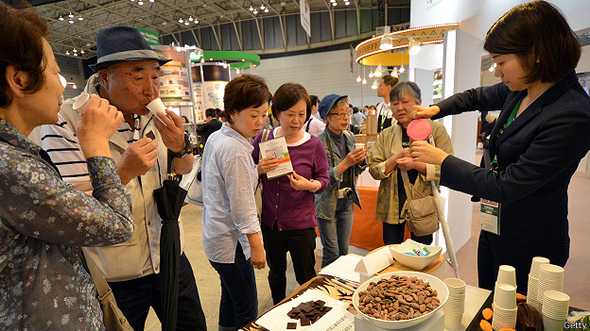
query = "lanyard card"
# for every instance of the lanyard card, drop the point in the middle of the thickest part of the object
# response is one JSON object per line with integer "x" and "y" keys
{"x": 490, "y": 216}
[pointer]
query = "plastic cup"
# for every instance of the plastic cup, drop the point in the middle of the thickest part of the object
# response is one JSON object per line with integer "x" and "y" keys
{"x": 359, "y": 145}
{"x": 505, "y": 296}
{"x": 536, "y": 265}
{"x": 156, "y": 107}
{"x": 507, "y": 275}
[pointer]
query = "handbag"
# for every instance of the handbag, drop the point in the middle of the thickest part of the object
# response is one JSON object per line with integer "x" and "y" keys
{"x": 420, "y": 213}
{"x": 112, "y": 316}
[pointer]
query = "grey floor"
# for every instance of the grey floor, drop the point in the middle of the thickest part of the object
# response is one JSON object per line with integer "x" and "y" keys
{"x": 577, "y": 269}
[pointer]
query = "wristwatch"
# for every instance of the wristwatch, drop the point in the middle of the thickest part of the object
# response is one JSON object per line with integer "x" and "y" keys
{"x": 187, "y": 149}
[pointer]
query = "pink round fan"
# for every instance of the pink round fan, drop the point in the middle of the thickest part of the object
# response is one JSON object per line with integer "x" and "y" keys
{"x": 419, "y": 129}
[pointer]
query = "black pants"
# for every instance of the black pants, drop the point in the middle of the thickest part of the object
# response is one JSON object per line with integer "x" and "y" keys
{"x": 239, "y": 301}
{"x": 135, "y": 297}
{"x": 494, "y": 251}
{"x": 394, "y": 234}
{"x": 301, "y": 245}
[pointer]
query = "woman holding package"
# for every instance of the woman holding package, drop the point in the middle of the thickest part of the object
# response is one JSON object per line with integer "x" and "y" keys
{"x": 346, "y": 162}
{"x": 231, "y": 232}
{"x": 288, "y": 212}
{"x": 535, "y": 147}
{"x": 43, "y": 220}
{"x": 405, "y": 190}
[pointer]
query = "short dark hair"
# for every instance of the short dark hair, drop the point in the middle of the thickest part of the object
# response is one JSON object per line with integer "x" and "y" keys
{"x": 405, "y": 87}
{"x": 390, "y": 80}
{"x": 286, "y": 96}
{"x": 244, "y": 91}
{"x": 21, "y": 36}
{"x": 541, "y": 38}
{"x": 314, "y": 100}
{"x": 211, "y": 112}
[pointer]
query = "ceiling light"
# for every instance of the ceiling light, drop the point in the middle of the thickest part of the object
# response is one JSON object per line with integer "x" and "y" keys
{"x": 262, "y": 7}
{"x": 180, "y": 20}
{"x": 378, "y": 71}
{"x": 61, "y": 18}
{"x": 266, "y": 10}
{"x": 82, "y": 51}
{"x": 186, "y": 23}
{"x": 152, "y": 1}
{"x": 140, "y": 3}
{"x": 190, "y": 18}
{"x": 132, "y": 0}
{"x": 251, "y": 8}
{"x": 67, "y": 52}
{"x": 80, "y": 18}
{"x": 74, "y": 86}
{"x": 358, "y": 79}
{"x": 402, "y": 69}
{"x": 334, "y": 4}
{"x": 71, "y": 21}
{"x": 371, "y": 74}
{"x": 364, "y": 81}
{"x": 255, "y": 12}
{"x": 375, "y": 85}
{"x": 71, "y": 15}
{"x": 332, "y": 1}
{"x": 75, "y": 50}
{"x": 196, "y": 21}
{"x": 87, "y": 44}
{"x": 346, "y": 3}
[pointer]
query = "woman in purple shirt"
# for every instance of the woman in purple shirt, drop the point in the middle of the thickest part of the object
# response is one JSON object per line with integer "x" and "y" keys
{"x": 288, "y": 209}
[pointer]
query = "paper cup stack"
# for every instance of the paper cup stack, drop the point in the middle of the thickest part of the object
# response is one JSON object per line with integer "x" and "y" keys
{"x": 455, "y": 305}
{"x": 551, "y": 277}
{"x": 504, "y": 304}
{"x": 555, "y": 310}
{"x": 532, "y": 298}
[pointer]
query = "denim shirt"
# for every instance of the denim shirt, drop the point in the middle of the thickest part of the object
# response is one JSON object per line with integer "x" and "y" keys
{"x": 43, "y": 223}
{"x": 229, "y": 179}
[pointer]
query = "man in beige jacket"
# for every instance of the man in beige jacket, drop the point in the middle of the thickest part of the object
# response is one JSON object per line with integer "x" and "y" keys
{"x": 389, "y": 157}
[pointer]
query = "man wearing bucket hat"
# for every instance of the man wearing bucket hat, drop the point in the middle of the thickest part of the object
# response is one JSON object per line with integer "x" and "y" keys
{"x": 346, "y": 161}
{"x": 127, "y": 75}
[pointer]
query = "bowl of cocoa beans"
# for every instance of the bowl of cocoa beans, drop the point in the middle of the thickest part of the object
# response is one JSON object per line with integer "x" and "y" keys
{"x": 400, "y": 299}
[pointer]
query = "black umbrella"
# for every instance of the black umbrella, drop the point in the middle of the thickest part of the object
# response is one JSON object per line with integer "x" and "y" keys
{"x": 169, "y": 199}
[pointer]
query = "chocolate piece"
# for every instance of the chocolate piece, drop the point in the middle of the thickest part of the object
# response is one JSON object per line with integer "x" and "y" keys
{"x": 291, "y": 326}
{"x": 305, "y": 321}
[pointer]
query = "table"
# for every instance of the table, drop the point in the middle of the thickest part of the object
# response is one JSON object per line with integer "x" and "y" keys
{"x": 343, "y": 290}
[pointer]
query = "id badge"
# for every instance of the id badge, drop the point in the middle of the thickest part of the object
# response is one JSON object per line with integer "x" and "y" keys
{"x": 489, "y": 212}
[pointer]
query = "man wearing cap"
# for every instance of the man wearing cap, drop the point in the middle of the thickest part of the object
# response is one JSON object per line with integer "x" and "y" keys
{"x": 384, "y": 115}
{"x": 127, "y": 74}
{"x": 346, "y": 162}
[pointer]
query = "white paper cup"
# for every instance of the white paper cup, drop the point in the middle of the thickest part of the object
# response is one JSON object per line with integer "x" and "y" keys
{"x": 507, "y": 275}
{"x": 359, "y": 145}
{"x": 536, "y": 264}
{"x": 453, "y": 321}
{"x": 547, "y": 286}
{"x": 551, "y": 273}
{"x": 505, "y": 296}
{"x": 156, "y": 106}
{"x": 503, "y": 321}
{"x": 80, "y": 101}
{"x": 550, "y": 324}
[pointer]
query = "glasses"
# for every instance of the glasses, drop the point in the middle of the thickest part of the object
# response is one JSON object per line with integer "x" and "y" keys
{"x": 341, "y": 115}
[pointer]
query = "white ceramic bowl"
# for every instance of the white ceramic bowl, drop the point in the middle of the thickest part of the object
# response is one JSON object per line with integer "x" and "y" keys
{"x": 437, "y": 284}
{"x": 414, "y": 262}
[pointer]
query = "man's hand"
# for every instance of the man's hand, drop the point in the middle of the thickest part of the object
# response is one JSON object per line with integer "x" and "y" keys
{"x": 139, "y": 157}
{"x": 171, "y": 127}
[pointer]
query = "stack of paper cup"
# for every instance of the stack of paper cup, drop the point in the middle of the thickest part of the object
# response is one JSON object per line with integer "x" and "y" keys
{"x": 533, "y": 287}
{"x": 455, "y": 305}
{"x": 555, "y": 310}
{"x": 551, "y": 277}
{"x": 506, "y": 275}
{"x": 504, "y": 306}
